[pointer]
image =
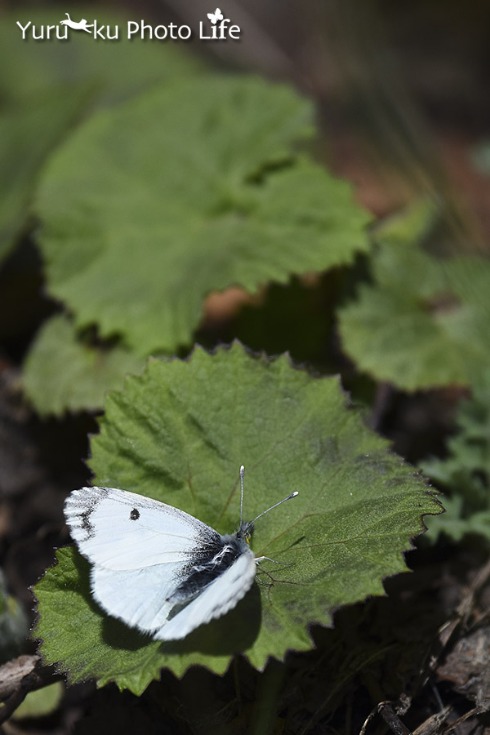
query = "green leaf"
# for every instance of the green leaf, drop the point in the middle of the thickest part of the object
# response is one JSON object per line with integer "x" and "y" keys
{"x": 178, "y": 433}
{"x": 41, "y": 702}
{"x": 139, "y": 228}
{"x": 115, "y": 70}
{"x": 465, "y": 473}
{"x": 64, "y": 372}
{"x": 44, "y": 85}
{"x": 423, "y": 322}
{"x": 455, "y": 524}
{"x": 28, "y": 133}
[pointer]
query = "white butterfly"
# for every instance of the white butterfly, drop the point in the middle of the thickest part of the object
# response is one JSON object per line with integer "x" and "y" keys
{"x": 216, "y": 16}
{"x": 155, "y": 567}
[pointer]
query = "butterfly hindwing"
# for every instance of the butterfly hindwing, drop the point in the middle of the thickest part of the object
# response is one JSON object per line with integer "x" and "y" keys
{"x": 214, "y": 601}
{"x": 145, "y": 603}
{"x": 138, "y": 597}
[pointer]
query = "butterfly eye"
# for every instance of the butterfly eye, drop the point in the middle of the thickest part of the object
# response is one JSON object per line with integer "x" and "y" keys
{"x": 134, "y": 515}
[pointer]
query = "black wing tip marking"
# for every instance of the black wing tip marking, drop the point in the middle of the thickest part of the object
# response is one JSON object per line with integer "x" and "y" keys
{"x": 79, "y": 506}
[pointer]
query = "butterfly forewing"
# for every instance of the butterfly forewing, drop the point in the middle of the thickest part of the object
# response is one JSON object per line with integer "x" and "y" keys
{"x": 120, "y": 530}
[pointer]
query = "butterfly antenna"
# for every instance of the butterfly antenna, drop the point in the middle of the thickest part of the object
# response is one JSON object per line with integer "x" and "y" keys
{"x": 242, "y": 473}
{"x": 292, "y": 495}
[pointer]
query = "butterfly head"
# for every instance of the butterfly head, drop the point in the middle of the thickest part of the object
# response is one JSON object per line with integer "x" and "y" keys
{"x": 245, "y": 531}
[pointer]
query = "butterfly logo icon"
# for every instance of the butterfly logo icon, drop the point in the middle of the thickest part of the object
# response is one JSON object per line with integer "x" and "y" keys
{"x": 216, "y": 16}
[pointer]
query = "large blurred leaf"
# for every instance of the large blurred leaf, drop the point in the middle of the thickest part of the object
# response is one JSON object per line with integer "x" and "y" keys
{"x": 153, "y": 205}
{"x": 41, "y": 702}
{"x": 44, "y": 85}
{"x": 423, "y": 322}
{"x": 116, "y": 69}
{"x": 179, "y": 433}
{"x": 28, "y": 133}
{"x": 65, "y": 372}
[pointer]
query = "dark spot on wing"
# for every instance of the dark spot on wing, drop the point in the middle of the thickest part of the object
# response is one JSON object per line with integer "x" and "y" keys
{"x": 134, "y": 515}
